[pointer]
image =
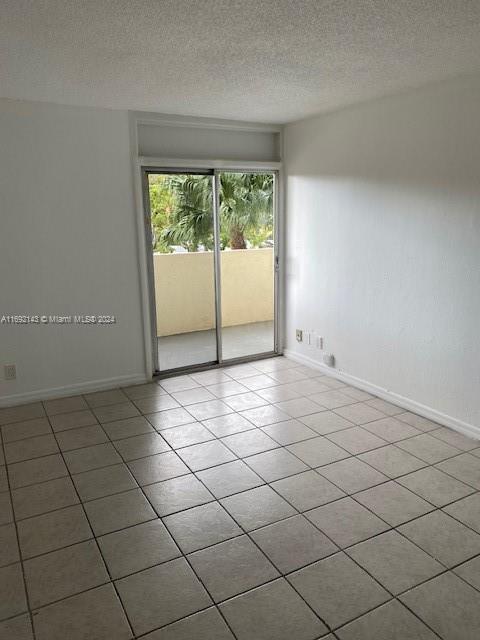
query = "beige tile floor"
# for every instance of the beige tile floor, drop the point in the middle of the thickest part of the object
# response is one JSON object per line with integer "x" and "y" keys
{"x": 258, "y": 502}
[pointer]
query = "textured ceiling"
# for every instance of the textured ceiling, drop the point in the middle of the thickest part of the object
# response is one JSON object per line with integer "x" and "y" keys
{"x": 263, "y": 60}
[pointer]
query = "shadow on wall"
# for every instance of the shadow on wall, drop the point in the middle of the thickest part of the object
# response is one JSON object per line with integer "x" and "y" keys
{"x": 383, "y": 243}
{"x": 422, "y": 136}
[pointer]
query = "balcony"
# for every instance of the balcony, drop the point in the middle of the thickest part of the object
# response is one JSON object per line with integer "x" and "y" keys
{"x": 185, "y": 299}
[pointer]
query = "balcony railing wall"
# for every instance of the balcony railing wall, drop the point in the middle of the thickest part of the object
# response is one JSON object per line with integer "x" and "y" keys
{"x": 184, "y": 289}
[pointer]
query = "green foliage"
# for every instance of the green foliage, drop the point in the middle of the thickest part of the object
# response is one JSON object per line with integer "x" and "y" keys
{"x": 162, "y": 203}
{"x": 246, "y": 208}
{"x": 181, "y": 209}
{"x": 190, "y": 223}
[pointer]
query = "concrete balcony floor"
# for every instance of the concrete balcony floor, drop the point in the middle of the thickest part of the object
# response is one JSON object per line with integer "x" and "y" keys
{"x": 197, "y": 347}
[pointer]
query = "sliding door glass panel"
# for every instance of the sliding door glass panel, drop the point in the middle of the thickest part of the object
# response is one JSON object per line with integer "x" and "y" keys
{"x": 246, "y": 215}
{"x": 181, "y": 212}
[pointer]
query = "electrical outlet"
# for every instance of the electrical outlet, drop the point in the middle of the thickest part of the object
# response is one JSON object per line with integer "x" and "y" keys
{"x": 299, "y": 334}
{"x": 329, "y": 359}
{"x": 319, "y": 342}
{"x": 10, "y": 372}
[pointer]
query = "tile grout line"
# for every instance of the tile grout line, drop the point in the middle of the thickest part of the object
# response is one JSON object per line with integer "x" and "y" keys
{"x": 253, "y": 542}
{"x": 460, "y": 452}
{"x": 247, "y": 533}
{"x": 300, "y": 513}
{"x": 98, "y": 549}
{"x": 280, "y": 446}
{"x": 316, "y": 469}
{"x": 20, "y": 554}
{"x": 184, "y": 555}
{"x": 310, "y": 468}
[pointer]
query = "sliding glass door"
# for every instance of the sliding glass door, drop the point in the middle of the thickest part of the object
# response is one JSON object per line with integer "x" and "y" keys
{"x": 247, "y": 263}
{"x": 212, "y": 262}
{"x": 182, "y": 268}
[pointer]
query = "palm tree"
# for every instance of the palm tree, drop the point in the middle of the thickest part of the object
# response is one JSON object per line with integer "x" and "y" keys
{"x": 246, "y": 211}
{"x": 190, "y": 222}
{"x": 245, "y": 205}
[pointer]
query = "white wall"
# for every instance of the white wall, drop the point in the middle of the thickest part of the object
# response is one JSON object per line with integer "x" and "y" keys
{"x": 68, "y": 245}
{"x": 203, "y": 138}
{"x": 383, "y": 234}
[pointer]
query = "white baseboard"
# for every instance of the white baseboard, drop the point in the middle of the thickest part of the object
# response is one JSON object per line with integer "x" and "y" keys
{"x": 72, "y": 389}
{"x": 395, "y": 398}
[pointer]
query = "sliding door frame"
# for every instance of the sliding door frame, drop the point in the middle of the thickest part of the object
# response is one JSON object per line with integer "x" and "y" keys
{"x": 276, "y": 258}
{"x": 217, "y": 265}
{"x": 213, "y": 169}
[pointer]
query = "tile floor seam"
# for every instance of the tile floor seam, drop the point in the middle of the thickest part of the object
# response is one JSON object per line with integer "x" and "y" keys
{"x": 209, "y": 606}
{"x": 34, "y": 484}
{"x": 396, "y": 529}
{"x": 415, "y": 435}
{"x": 447, "y": 504}
{"x": 333, "y": 628}
{"x": 72, "y": 595}
{"x": 269, "y": 484}
{"x": 247, "y": 533}
{"x": 59, "y": 450}
{"x": 476, "y": 489}
{"x": 184, "y": 555}
{"x": 455, "y": 455}
{"x": 284, "y": 574}
{"x": 64, "y": 413}
{"x": 432, "y": 433}
{"x": 94, "y": 424}
{"x": 339, "y": 550}
{"x": 394, "y": 599}
{"x": 3, "y": 424}
{"x": 209, "y": 546}
{"x": 65, "y": 546}
{"x": 393, "y": 596}
{"x": 466, "y": 525}
{"x": 43, "y": 512}
{"x": 378, "y": 516}
{"x": 316, "y": 469}
{"x": 401, "y": 475}
{"x": 240, "y": 457}
{"x": 204, "y": 402}
{"x": 214, "y": 437}
{"x": 27, "y": 438}
{"x": 299, "y": 512}
{"x": 427, "y": 466}
{"x": 99, "y": 551}
{"x": 448, "y": 569}
{"x": 414, "y": 613}
{"x": 358, "y": 426}
{"x": 286, "y": 445}
{"x": 391, "y": 528}
{"x": 349, "y": 455}
{"x": 440, "y": 509}
{"x": 17, "y": 537}
{"x": 342, "y": 551}
{"x": 108, "y": 404}
{"x": 152, "y": 455}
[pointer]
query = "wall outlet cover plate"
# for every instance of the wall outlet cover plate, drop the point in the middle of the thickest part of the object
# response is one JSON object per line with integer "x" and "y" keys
{"x": 329, "y": 359}
{"x": 9, "y": 372}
